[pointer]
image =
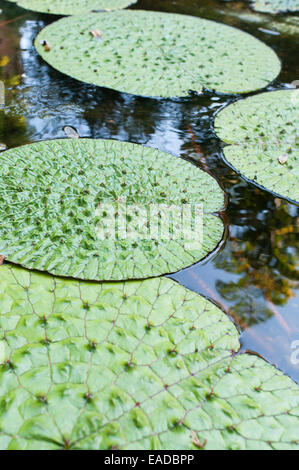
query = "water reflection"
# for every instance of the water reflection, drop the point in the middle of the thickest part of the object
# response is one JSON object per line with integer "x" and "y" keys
{"x": 254, "y": 275}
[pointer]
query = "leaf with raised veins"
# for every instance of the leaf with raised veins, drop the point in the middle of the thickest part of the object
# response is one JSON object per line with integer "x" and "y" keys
{"x": 134, "y": 365}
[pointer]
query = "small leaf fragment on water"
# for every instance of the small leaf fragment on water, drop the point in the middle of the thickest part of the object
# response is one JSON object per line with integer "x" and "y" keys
{"x": 96, "y": 33}
{"x": 71, "y": 133}
{"x": 197, "y": 442}
{"x": 283, "y": 159}
{"x": 37, "y": 385}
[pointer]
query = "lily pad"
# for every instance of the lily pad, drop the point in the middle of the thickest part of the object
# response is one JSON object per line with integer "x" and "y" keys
{"x": 72, "y": 7}
{"x": 276, "y": 6}
{"x": 96, "y": 209}
{"x": 135, "y": 365}
{"x": 157, "y": 54}
{"x": 263, "y": 133}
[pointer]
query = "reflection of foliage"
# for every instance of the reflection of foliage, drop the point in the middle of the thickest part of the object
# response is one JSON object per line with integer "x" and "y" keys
{"x": 265, "y": 259}
{"x": 13, "y": 129}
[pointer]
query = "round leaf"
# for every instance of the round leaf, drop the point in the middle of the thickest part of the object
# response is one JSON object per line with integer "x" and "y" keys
{"x": 105, "y": 210}
{"x": 157, "y": 54}
{"x": 263, "y": 133}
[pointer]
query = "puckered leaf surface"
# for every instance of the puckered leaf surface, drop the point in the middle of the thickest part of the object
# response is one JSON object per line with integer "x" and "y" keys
{"x": 134, "y": 365}
{"x": 60, "y": 199}
{"x": 263, "y": 133}
{"x": 157, "y": 54}
{"x": 276, "y": 6}
{"x": 72, "y": 7}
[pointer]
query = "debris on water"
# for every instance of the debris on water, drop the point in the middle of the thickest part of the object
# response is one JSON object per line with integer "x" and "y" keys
{"x": 3, "y": 147}
{"x": 71, "y": 132}
{"x": 283, "y": 159}
{"x": 269, "y": 31}
{"x": 2, "y": 258}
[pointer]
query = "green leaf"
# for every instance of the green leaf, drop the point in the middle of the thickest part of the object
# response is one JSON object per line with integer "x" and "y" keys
{"x": 276, "y": 6}
{"x": 64, "y": 205}
{"x": 134, "y": 365}
{"x": 263, "y": 133}
{"x": 72, "y": 7}
{"x": 157, "y": 54}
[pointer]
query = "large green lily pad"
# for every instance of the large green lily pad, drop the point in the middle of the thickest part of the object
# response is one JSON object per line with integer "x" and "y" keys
{"x": 59, "y": 199}
{"x": 136, "y": 365}
{"x": 263, "y": 133}
{"x": 276, "y": 6}
{"x": 72, "y": 7}
{"x": 157, "y": 54}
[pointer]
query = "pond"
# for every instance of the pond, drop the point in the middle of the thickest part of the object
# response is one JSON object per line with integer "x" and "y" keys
{"x": 253, "y": 275}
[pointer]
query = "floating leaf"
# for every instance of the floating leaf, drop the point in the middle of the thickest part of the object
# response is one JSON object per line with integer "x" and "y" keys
{"x": 135, "y": 365}
{"x": 158, "y": 54}
{"x": 46, "y": 46}
{"x": 96, "y": 33}
{"x": 72, "y": 7}
{"x": 60, "y": 200}
{"x": 286, "y": 24}
{"x": 276, "y": 6}
{"x": 283, "y": 159}
{"x": 261, "y": 129}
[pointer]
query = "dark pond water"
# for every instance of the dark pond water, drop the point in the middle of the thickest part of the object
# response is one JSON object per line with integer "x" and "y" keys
{"x": 254, "y": 274}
